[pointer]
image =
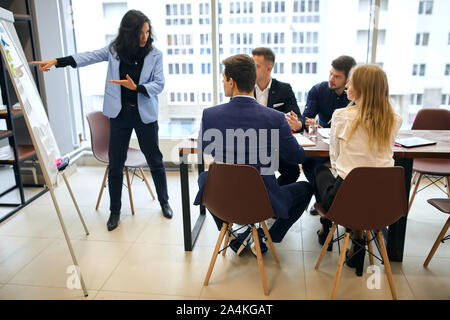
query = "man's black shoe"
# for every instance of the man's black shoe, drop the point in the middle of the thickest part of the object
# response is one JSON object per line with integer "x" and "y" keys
{"x": 262, "y": 243}
{"x": 113, "y": 221}
{"x": 313, "y": 211}
{"x": 238, "y": 245}
{"x": 322, "y": 237}
{"x": 167, "y": 210}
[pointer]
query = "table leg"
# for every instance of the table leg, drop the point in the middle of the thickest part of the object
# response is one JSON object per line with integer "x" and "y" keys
{"x": 397, "y": 231}
{"x": 184, "y": 177}
{"x": 190, "y": 236}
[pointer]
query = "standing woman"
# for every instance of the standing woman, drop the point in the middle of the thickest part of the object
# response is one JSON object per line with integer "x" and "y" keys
{"x": 362, "y": 135}
{"x": 134, "y": 79}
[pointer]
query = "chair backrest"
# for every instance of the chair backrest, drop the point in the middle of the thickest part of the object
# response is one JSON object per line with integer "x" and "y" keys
{"x": 237, "y": 194}
{"x": 432, "y": 119}
{"x": 99, "y": 127}
{"x": 370, "y": 198}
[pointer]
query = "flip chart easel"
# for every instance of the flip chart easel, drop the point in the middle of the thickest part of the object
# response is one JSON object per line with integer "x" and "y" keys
{"x": 36, "y": 119}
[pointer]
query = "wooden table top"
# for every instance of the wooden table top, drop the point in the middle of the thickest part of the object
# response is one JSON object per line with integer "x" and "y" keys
{"x": 321, "y": 149}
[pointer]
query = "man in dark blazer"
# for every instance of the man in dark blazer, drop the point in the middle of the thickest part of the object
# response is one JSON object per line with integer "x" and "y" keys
{"x": 279, "y": 96}
{"x": 243, "y": 112}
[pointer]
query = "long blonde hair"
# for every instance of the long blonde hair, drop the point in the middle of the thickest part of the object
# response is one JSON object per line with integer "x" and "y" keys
{"x": 375, "y": 114}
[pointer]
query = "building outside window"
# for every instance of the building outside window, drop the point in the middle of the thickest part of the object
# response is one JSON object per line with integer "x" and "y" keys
{"x": 314, "y": 32}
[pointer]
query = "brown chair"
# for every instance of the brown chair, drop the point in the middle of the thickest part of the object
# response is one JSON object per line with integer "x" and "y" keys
{"x": 368, "y": 199}
{"x": 430, "y": 119}
{"x": 444, "y": 206}
{"x": 99, "y": 128}
{"x": 237, "y": 194}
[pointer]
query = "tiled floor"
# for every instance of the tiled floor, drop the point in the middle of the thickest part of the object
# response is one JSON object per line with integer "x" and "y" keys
{"x": 145, "y": 259}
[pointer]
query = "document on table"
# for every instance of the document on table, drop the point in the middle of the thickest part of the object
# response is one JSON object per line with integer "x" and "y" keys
{"x": 324, "y": 132}
{"x": 303, "y": 141}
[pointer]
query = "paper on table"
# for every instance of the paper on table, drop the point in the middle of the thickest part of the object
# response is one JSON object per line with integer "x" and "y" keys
{"x": 327, "y": 141}
{"x": 324, "y": 132}
{"x": 303, "y": 141}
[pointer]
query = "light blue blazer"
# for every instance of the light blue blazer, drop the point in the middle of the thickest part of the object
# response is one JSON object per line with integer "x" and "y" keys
{"x": 152, "y": 78}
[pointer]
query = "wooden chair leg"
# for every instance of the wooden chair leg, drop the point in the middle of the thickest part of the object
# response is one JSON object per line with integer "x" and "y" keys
{"x": 227, "y": 239}
{"x": 269, "y": 241}
{"x": 414, "y": 178}
{"x": 369, "y": 244}
{"x": 387, "y": 265}
{"x": 437, "y": 243}
{"x": 325, "y": 246}
{"x": 102, "y": 188}
{"x": 260, "y": 261}
{"x": 146, "y": 182}
{"x": 215, "y": 254}
{"x": 129, "y": 190}
{"x": 415, "y": 191}
{"x": 341, "y": 263}
{"x": 448, "y": 187}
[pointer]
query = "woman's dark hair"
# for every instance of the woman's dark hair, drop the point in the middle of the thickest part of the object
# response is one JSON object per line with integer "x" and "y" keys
{"x": 126, "y": 44}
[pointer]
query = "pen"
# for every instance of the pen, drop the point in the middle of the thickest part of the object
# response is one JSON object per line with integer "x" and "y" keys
{"x": 317, "y": 124}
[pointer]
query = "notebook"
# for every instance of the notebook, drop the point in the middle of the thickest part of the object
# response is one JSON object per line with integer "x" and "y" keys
{"x": 413, "y": 142}
{"x": 303, "y": 141}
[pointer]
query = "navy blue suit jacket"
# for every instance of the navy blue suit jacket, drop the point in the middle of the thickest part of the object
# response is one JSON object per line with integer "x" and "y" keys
{"x": 246, "y": 113}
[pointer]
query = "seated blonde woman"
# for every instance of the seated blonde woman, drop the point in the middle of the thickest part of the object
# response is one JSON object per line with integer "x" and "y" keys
{"x": 362, "y": 135}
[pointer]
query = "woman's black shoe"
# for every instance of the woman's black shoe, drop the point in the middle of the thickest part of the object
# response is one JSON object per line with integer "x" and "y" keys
{"x": 323, "y": 237}
{"x": 357, "y": 258}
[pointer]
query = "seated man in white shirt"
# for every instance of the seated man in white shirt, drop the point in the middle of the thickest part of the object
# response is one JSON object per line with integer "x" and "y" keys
{"x": 279, "y": 96}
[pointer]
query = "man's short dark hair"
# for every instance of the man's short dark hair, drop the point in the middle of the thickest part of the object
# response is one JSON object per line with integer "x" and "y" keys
{"x": 242, "y": 69}
{"x": 266, "y": 52}
{"x": 344, "y": 63}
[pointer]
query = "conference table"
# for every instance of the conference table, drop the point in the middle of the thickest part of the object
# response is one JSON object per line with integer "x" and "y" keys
{"x": 395, "y": 233}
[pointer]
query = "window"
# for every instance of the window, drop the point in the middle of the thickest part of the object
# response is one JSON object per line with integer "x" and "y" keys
{"x": 422, "y": 39}
{"x": 304, "y": 67}
{"x": 182, "y": 97}
{"x": 447, "y": 69}
{"x": 419, "y": 70}
{"x": 305, "y": 11}
{"x": 278, "y": 68}
{"x": 445, "y": 100}
{"x": 426, "y": 6}
{"x": 206, "y": 68}
{"x": 178, "y": 14}
{"x": 181, "y": 68}
{"x": 182, "y": 29}
{"x": 273, "y": 12}
{"x": 416, "y": 98}
{"x": 241, "y": 12}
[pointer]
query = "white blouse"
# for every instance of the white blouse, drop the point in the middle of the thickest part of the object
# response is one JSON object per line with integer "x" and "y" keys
{"x": 345, "y": 154}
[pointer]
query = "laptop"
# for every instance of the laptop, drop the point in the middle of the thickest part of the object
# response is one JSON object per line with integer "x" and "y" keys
{"x": 414, "y": 142}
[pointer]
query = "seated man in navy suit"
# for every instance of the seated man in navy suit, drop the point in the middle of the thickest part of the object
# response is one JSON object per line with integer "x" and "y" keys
{"x": 222, "y": 130}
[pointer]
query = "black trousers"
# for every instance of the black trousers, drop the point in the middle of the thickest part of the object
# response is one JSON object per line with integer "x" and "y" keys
{"x": 121, "y": 128}
{"x": 310, "y": 165}
{"x": 301, "y": 193}
{"x": 289, "y": 173}
{"x": 326, "y": 188}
